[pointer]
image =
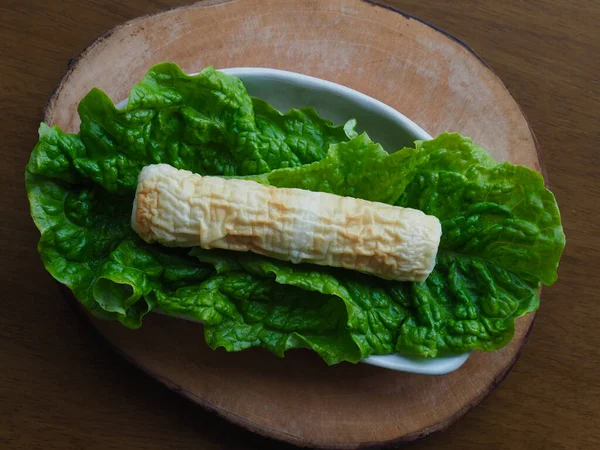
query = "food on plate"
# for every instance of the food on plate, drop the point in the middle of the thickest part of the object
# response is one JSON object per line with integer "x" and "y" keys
{"x": 501, "y": 231}
{"x": 181, "y": 209}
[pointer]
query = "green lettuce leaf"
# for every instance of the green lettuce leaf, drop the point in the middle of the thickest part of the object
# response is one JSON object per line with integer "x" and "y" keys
{"x": 497, "y": 212}
{"x": 357, "y": 168}
{"x": 54, "y": 154}
{"x": 87, "y": 244}
{"x": 80, "y": 187}
{"x": 304, "y": 304}
{"x": 205, "y": 123}
{"x": 502, "y": 235}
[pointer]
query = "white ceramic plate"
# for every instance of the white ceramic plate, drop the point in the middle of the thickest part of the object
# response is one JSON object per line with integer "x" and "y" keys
{"x": 385, "y": 125}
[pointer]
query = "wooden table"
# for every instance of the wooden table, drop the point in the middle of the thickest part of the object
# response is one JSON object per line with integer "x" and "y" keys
{"x": 62, "y": 387}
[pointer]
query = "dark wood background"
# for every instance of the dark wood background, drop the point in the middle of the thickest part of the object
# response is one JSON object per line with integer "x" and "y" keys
{"x": 61, "y": 387}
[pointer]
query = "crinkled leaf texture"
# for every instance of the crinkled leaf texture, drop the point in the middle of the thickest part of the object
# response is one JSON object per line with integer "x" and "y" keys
{"x": 502, "y": 234}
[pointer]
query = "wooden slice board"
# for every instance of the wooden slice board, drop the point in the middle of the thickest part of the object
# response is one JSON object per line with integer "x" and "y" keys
{"x": 435, "y": 80}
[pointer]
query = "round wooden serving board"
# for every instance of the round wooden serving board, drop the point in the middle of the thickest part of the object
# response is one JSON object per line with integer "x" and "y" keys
{"x": 432, "y": 78}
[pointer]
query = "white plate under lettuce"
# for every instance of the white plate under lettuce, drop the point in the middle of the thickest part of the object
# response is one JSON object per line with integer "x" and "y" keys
{"x": 386, "y": 126}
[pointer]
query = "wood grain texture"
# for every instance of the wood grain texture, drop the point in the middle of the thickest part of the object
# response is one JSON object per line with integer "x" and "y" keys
{"x": 61, "y": 387}
{"x": 408, "y": 65}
